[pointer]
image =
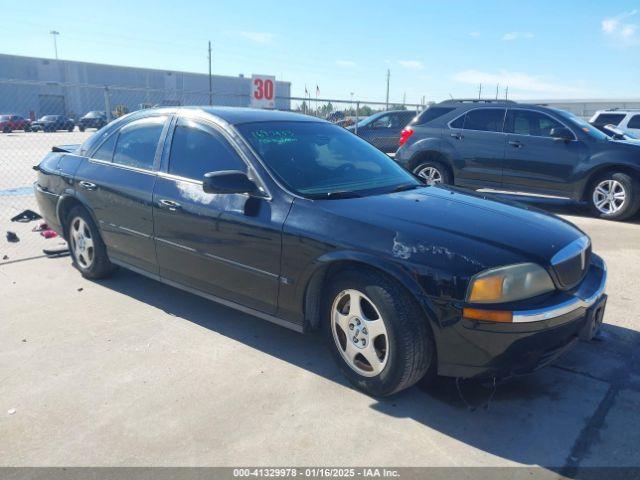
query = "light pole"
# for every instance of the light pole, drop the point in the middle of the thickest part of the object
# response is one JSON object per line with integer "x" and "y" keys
{"x": 54, "y": 34}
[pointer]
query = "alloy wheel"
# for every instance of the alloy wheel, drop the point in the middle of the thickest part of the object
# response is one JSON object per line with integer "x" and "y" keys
{"x": 431, "y": 175}
{"x": 359, "y": 333}
{"x": 82, "y": 243}
{"x": 609, "y": 196}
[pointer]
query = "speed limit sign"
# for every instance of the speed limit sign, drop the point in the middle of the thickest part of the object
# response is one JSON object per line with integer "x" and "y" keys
{"x": 263, "y": 91}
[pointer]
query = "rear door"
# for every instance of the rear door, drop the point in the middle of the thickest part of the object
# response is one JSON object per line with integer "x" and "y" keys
{"x": 534, "y": 161}
{"x": 479, "y": 144}
{"x": 225, "y": 245}
{"x": 117, "y": 184}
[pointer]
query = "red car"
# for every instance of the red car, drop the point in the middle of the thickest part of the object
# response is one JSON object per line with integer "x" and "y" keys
{"x": 8, "y": 123}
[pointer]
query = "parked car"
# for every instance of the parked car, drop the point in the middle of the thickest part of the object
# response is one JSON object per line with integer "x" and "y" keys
{"x": 52, "y": 123}
{"x": 382, "y": 129}
{"x": 621, "y": 118}
{"x": 304, "y": 224}
{"x": 523, "y": 148}
{"x": 620, "y": 134}
{"x": 336, "y": 116}
{"x": 94, "y": 119}
{"x": 9, "y": 123}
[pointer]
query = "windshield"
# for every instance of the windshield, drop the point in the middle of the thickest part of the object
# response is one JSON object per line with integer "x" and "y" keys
{"x": 94, "y": 114}
{"x": 4, "y": 117}
{"x": 583, "y": 125}
{"x": 320, "y": 160}
{"x": 48, "y": 118}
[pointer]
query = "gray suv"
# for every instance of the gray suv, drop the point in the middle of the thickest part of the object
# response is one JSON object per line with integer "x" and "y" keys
{"x": 523, "y": 148}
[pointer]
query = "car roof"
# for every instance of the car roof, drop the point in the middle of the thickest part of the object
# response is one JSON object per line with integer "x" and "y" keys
{"x": 237, "y": 115}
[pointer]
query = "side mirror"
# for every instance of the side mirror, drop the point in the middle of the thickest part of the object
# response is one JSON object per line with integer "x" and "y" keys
{"x": 562, "y": 133}
{"x": 227, "y": 182}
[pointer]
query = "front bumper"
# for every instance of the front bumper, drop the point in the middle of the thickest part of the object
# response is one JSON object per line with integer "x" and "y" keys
{"x": 536, "y": 337}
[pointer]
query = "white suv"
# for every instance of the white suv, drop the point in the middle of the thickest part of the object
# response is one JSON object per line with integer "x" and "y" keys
{"x": 625, "y": 120}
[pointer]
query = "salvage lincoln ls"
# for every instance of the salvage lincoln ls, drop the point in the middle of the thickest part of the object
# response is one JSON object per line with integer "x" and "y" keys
{"x": 302, "y": 223}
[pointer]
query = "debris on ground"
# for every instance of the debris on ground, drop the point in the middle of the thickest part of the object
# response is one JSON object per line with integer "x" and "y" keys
{"x": 11, "y": 411}
{"x": 12, "y": 237}
{"x": 5, "y": 257}
{"x": 48, "y": 233}
{"x": 60, "y": 251}
{"x": 24, "y": 340}
{"x": 80, "y": 289}
{"x": 26, "y": 216}
{"x": 39, "y": 228}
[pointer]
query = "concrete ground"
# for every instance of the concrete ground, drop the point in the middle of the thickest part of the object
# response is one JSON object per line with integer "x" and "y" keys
{"x": 127, "y": 371}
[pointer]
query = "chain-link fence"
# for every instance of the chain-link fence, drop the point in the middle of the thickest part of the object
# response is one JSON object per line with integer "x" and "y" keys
{"x": 35, "y": 116}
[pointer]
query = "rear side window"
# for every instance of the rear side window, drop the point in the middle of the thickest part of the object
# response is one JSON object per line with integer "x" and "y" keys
{"x": 485, "y": 119}
{"x": 105, "y": 152}
{"x": 431, "y": 114}
{"x": 609, "y": 119}
{"x": 138, "y": 141}
{"x": 527, "y": 122}
{"x": 197, "y": 149}
{"x": 634, "y": 122}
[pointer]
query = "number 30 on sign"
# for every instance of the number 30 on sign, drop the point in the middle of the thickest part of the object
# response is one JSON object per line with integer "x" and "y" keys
{"x": 263, "y": 91}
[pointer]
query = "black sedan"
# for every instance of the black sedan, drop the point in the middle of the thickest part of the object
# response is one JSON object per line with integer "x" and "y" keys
{"x": 52, "y": 123}
{"x": 94, "y": 119}
{"x": 301, "y": 223}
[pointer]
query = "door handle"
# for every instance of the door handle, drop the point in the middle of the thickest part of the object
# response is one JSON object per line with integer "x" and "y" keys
{"x": 169, "y": 205}
{"x": 516, "y": 144}
{"x": 88, "y": 185}
{"x": 457, "y": 136}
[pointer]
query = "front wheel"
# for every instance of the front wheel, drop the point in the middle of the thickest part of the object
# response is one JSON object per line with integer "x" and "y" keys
{"x": 376, "y": 332}
{"x": 614, "y": 196}
{"x": 432, "y": 173}
{"x": 87, "y": 249}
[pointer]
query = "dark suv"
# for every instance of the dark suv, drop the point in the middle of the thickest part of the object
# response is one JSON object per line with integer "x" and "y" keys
{"x": 522, "y": 148}
{"x": 94, "y": 119}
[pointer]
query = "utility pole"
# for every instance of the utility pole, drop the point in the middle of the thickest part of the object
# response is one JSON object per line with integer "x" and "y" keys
{"x": 54, "y": 34}
{"x": 404, "y": 98}
{"x": 210, "y": 79}
{"x": 506, "y": 93}
{"x": 480, "y": 92}
{"x": 497, "y": 90}
{"x": 388, "y": 77}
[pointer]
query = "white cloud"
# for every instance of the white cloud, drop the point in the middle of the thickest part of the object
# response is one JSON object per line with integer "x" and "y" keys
{"x": 345, "y": 63}
{"x": 509, "y": 36}
{"x": 258, "y": 37}
{"x": 412, "y": 64}
{"x": 619, "y": 30}
{"x": 474, "y": 34}
{"x": 520, "y": 84}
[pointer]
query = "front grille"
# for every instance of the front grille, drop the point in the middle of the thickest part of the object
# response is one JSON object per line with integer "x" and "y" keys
{"x": 571, "y": 263}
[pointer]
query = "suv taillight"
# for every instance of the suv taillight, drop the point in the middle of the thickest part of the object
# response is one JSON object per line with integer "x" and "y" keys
{"x": 404, "y": 135}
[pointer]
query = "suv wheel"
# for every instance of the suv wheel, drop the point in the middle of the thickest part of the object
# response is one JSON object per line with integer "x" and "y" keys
{"x": 376, "y": 332}
{"x": 87, "y": 249}
{"x": 433, "y": 173}
{"x": 614, "y": 196}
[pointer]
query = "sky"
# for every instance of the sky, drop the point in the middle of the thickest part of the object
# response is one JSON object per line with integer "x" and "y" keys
{"x": 433, "y": 49}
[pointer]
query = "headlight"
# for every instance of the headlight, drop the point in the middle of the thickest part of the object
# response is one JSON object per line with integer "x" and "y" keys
{"x": 508, "y": 284}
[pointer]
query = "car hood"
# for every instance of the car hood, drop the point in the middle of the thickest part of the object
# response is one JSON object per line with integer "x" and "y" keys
{"x": 453, "y": 226}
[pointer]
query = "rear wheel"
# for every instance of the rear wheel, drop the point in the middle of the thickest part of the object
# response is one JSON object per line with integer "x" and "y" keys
{"x": 433, "y": 173}
{"x": 376, "y": 332}
{"x": 87, "y": 249}
{"x": 614, "y": 196}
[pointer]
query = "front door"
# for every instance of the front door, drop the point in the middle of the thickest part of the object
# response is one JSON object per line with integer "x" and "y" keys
{"x": 225, "y": 245}
{"x": 479, "y": 144}
{"x": 534, "y": 161}
{"x": 117, "y": 185}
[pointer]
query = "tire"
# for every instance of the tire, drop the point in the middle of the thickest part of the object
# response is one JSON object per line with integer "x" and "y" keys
{"x": 403, "y": 344}
{"x": 81, "y": 129}
{"x": 87, "y": 249}
{"x": 70, "y": 128}
{"x": 626, "y": 196}
{"x": 433, "y": 173}
{"x": 6, "y": 130}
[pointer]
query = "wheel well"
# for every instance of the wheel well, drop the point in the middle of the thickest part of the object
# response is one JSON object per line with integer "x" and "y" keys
{"x": 608, "y": 169}
{"x": 316, "y": 287}
{"x": 431, "y": 156}
{"x": 65, "y": 206}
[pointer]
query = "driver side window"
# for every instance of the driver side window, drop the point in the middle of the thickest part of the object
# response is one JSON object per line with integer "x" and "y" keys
{"x": 197, "y": 149}
{"x": 382, "y": 122}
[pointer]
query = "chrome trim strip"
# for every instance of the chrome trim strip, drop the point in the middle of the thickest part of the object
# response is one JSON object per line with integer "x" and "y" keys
{"x": 177, "y": 245}
{"x": 569, "y": 306}
{"x": 135, "y": 232}
{"x": 240, "y": 265}
{"x": 227, "y": 303}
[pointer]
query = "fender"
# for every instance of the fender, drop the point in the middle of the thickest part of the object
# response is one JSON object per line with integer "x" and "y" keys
{"x": 432, "y": 144}
{"x": 308, "y": 292}
{"x": 602, "y": 162}
{"x": 70, "y": 194}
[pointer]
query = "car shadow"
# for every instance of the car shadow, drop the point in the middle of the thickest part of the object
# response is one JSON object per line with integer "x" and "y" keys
{"x": 541, "y": 419}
